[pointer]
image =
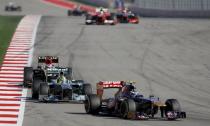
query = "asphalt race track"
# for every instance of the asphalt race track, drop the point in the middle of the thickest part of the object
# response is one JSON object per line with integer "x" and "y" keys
{"x": 166, "y": 57}
{"x": 169, "y": 58}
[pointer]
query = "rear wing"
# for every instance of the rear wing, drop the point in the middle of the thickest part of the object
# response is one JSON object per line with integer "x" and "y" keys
{"x": 102, "y": 9}
{"x": 48, "y": 59}
{"x": 101, "y": 85}
{"x": 110, "y": 84}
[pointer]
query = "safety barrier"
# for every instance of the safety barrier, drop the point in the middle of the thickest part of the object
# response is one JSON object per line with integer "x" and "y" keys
{"x": 172, "y": 8}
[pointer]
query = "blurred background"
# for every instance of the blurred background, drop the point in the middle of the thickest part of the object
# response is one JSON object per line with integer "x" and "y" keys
{"x": 159, "y": 8}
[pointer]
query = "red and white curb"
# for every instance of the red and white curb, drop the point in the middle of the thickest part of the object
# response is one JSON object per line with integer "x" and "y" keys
{"x": 18, "y": 55}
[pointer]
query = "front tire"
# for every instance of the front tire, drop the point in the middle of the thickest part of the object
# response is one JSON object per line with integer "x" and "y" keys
{"x": 44, "y": 89}
{"x": 28, "y": 76}
{"x": 35, "y": 88}
{"x": 172, "y": 105}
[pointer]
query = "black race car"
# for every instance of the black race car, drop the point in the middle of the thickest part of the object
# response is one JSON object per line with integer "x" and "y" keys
{"x": 129, "y": 104}
{"x": 13, "y": 7}
{"x": 76, "y": 12}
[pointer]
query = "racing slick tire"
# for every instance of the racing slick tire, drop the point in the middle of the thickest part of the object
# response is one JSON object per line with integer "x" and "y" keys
{"x": 127, "y": 107}
{"x": 87, "y": 89}
{"x": 6, "y": 8}
{"x": 92, "y": 104}
{"x": 35, "y": 88}
{"x": 172, "y": 105}
{"x": 44, "y": 89}
{"x": 28, "y": 76}
{"x": 69, "y": 13}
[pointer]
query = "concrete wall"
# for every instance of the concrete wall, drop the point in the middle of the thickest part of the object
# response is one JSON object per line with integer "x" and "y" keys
{"x": 103, "y": 3}
{"x": 174, "y": 4}
{"x": 164, "y": 8}
{"x": 172, "y": 8}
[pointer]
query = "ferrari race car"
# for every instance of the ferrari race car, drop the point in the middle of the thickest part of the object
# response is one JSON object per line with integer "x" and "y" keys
{"x": 127, "y": 103}
{"x": 12, "y": 7}
{"x": 77, "y": 12}
{"x": 101, "y": 17}
{"x": 126, "y": 16}
{"x": 44, "y": 84}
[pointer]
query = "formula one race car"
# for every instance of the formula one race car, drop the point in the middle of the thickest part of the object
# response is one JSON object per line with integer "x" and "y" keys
{"x": 127, "y": 103}
{"x": 77, "y": 12}
{"x": 12, "y": 7}
{"x": 43, "y": 81}
{"x": 126, "y": 16}
{"x": 101, "y": 17}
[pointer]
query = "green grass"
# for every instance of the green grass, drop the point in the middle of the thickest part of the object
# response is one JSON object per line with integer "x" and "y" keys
{"x": 8, "y": 25}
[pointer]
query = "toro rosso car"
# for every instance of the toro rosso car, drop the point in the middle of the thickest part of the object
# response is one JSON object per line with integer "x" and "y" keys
{"x": 126, "y": 16}
{"x": 77, "y": 11}
{"x": 12, "y": 7}
{"x": 43, "y": 81}
{"x": 127, "y": 103}
{"x": 100, "y": 17}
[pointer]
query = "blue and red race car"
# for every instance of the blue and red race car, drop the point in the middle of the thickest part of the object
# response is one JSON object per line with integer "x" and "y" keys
{"x": 127, "y": 103}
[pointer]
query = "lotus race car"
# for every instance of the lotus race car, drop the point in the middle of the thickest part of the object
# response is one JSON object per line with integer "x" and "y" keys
{"x": 127, "y": 103}
{"x": 12, "y": 7}
{"x": 44, "y": 85}
{"x": 100, "y": 17}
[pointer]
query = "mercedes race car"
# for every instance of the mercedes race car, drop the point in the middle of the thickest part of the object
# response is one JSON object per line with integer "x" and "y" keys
{"x": 127, "y": 103}
{"x": 126, "y": 16}
{"x": 101, "y": 17}
{"x": 45, "y": 63}
{"x": 12, "y": 7}
{"x": 43, "y": 81}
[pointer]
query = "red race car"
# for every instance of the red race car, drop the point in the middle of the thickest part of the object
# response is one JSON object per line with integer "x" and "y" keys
{"x": 101, "y": 17}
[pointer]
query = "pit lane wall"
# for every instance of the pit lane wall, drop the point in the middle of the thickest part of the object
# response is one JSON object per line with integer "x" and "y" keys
{"x": 172, "y": 8}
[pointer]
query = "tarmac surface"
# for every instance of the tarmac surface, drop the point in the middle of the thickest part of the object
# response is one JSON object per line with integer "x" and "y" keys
{"x": 166, "y": 57}
{"x": 169, "y": 58}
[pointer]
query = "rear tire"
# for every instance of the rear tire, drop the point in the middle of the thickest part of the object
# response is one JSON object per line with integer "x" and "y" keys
{"x": 126, "y": 107}
{"x": 87, "y": 89}
{"x": 28, "y": 76}
{"x": 92, "y": 104}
